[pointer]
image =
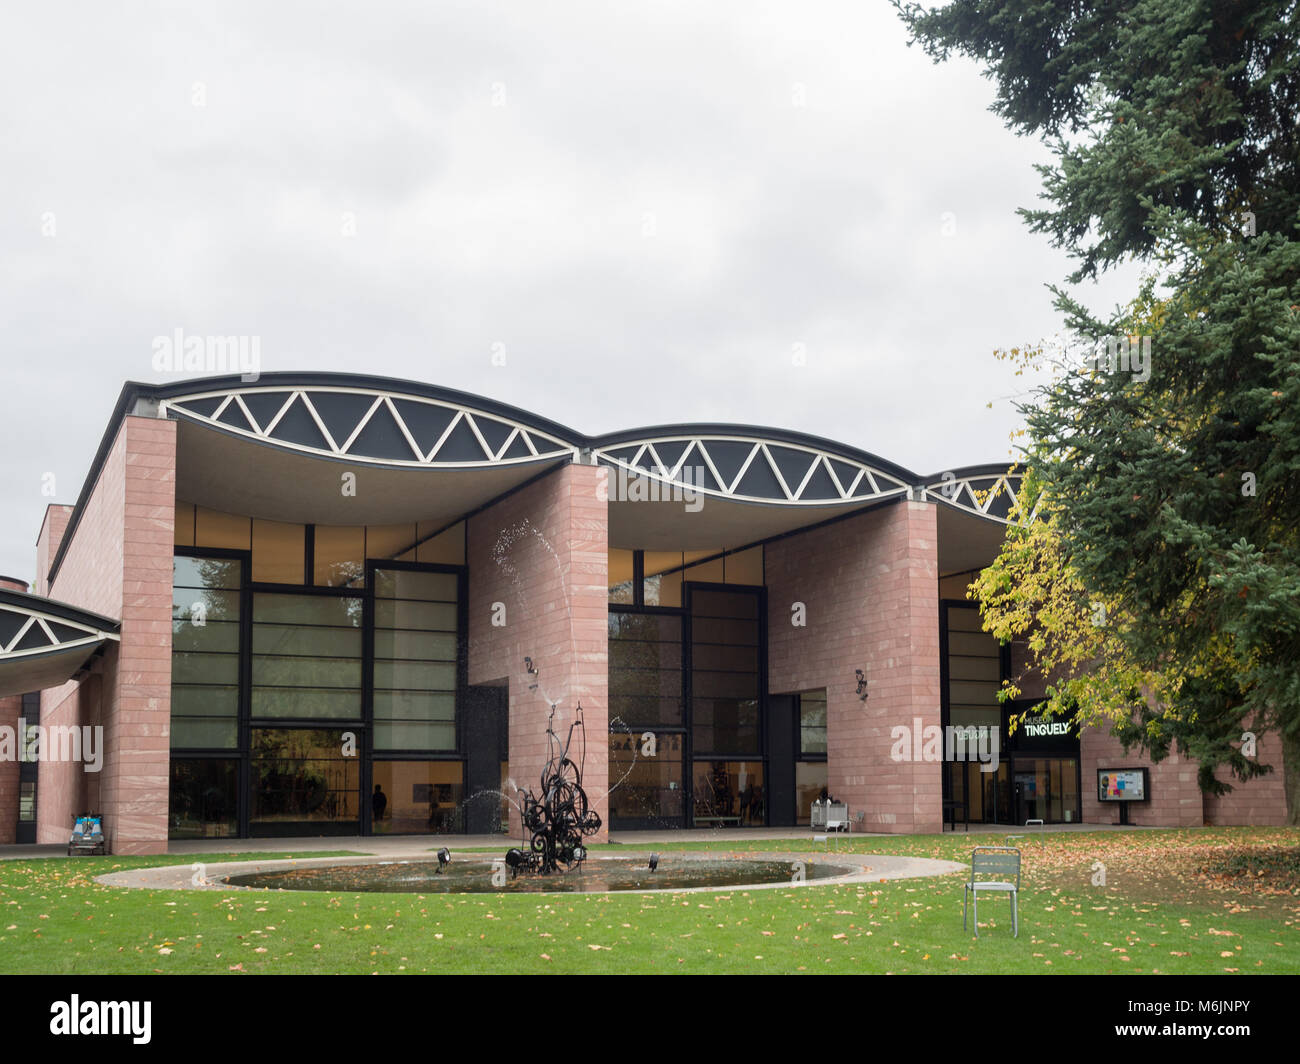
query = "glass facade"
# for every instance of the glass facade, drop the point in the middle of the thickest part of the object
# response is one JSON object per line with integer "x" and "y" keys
{"x": 306, "y": 656}
{"x": 645, "y": 670}
{"x": 311, "y": 665}
{"x": 810, "y": 773}
{"x": 1046, "y": 788}
{"x": 206, "y": 616}
{"x": 204, "y": 798}
{"x": 812, "y": 723}
{"x": 686, "y": 689}
{"x": 304, "y": 781}
{"x": 645, "y": 774}
{"x": 27, "y": 802}
{"x": 726, "y": 678}
{"x": 728, "y": 793}
{"x": 1033, "y": 778}
{"x": 415, "y": 659}
{"x": 417, "y": 797}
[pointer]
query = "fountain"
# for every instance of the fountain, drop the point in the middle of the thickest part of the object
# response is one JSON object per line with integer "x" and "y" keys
{"x": 557, "y": 816}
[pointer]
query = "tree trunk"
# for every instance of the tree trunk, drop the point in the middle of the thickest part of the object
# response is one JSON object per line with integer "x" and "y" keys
{"x": 1291, "y": 776}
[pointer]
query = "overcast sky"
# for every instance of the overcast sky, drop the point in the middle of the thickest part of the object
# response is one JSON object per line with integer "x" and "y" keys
{"x": 648, "y": 205}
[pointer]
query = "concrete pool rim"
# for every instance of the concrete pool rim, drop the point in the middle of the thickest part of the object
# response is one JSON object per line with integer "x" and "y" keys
{"x": 857, "y": 869}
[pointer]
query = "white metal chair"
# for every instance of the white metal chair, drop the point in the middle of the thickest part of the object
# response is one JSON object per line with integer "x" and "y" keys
{"x": 1003, "y": 861}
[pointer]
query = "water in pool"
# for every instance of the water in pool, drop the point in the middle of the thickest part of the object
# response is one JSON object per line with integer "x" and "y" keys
{"x": 480, "y": 875}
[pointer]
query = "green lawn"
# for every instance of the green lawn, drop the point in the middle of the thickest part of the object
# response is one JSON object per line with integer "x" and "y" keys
{"x": 1209, "y": 900}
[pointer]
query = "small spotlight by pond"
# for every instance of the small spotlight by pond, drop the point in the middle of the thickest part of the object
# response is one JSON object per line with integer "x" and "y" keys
{"x": 444, "y": 859}
{"x": 654, "y": 861}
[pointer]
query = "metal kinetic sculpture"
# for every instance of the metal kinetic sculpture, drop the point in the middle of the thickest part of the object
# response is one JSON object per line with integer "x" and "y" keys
{"x": 558, "y": 817}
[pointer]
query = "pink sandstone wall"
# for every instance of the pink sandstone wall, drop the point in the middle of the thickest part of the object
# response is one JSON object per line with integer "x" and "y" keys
{"x": 543, "y": 554}
{"x": 54, "y": 525}
{"x": 1175, "y": 800}
{"x": 119, "y": 563}
{"x": 870, "y": 585}
{"x": 11, "y": 709}
{"x": 65, "y": 790}
{"x": 1261, "y": 802}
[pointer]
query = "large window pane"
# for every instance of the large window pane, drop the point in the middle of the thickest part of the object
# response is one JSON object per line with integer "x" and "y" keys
{"x": 207, "y": 572}
{"x": 726, "y": 680}
{"x": 415, "y": 673}
{"x": 303, "y": 782}
{"x": 306, "y": 656}
{"x": 204, "y": 802}
{"x": 812, "y": 722}
{"x": 415, "y": 616}
{"x": 205, "y": 653}
{"x": 321, "y": 610}
{"x": 710, "y": 572}
{"x": 307, "y": 640}
{"x": 415, "y": 645}
{"x": 645, "y": 777}
{"x": 417, "y": 797}
{"x": 645, "y": 669}
{"x": 413, "y": 584}
{"x": 729, "y": 792}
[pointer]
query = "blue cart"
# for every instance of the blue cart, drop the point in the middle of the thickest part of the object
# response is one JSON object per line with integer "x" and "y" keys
{"x": 87, "y": 835}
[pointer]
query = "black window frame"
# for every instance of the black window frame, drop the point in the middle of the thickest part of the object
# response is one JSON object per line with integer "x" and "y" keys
{"x": 363, "y": 725}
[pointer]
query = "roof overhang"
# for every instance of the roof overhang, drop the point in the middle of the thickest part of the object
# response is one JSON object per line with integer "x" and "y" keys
{"x": 44, "y": 643}
{"x": 346, "y": 449}
{"x": 354, "y": 453}
{"x": 695, "y": 487}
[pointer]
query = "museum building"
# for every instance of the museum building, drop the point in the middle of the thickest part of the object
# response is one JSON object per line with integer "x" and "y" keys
{"x": 331, "y": 604}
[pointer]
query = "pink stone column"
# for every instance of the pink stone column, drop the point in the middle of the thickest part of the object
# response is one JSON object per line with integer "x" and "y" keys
{"x": 538, "y": 568}
{"x": 139, "y": 718}
{"x": 118, "y": 562}
{"x": 48, "y": 541}
{"x": 870, "y": 594}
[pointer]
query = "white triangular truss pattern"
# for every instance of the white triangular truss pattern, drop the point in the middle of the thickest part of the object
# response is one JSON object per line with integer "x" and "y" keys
{"x": 48, "y": 638}
{"x": 522, "y": 443}
{"x": 987, "y": 500}
{"x": 849, "y": 480}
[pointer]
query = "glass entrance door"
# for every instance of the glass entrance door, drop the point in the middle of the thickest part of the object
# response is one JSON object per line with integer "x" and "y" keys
{"x": 1047, "y": 789}
{"x": 1027, "y": 797}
